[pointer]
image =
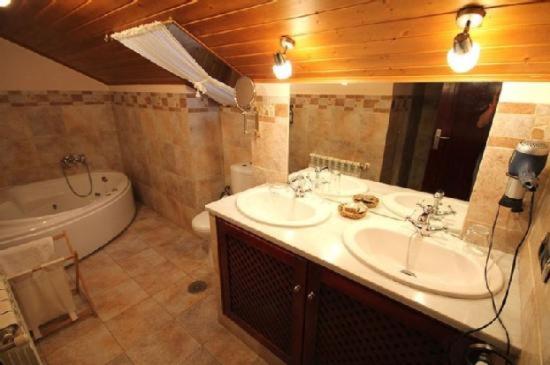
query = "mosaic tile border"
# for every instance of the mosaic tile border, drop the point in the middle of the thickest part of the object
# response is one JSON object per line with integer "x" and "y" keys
{"x": 54, "y": 97}
{"x": 154, "y": 100}
{"x": 164, "y": 101}
{"x": 375, "y": 103}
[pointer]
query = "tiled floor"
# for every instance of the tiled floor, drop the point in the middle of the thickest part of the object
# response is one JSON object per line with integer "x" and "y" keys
{"x": 139, "y": 283}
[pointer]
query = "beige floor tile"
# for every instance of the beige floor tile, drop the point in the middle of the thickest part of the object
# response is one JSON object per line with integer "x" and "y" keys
{"x": 146, "y": 224}
{"x": 142, "y": 262}
{"x": 137, "y": 322}
{"x": 159, "y": 277}
{"x": 114, "y": 301}
{"x": 101, "y": 273}
{"x": 169, "y": 345}
{"x": 143, "y": 211}
{"x": 201, "y": 357}
{"x": 229, "y": 350}
{"x": 200, "y": 320}
{"x": 96, "y": 262}
{"x": 152, "y": 257}
{"x": 95, "y": 347}
{"x": 175, "y": 299}
{"x": 124, "y": 246}
{"x": 122, "y": 359}
{"x": 190, "y": 256}
{"x": 163, "y": 233}
{"x": 68, "y": 334}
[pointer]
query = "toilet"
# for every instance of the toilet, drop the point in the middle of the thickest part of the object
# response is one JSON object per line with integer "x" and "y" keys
{"x": 241, "y": 179}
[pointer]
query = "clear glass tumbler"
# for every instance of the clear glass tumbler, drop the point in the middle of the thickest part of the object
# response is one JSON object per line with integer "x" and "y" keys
{"x": 478, "y": 236}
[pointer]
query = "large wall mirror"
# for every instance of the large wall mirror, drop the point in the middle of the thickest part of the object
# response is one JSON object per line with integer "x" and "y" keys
{"x": 423, "y": 136}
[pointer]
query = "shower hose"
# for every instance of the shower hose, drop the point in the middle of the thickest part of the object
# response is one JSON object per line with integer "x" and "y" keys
{"x": 89, "y": 180}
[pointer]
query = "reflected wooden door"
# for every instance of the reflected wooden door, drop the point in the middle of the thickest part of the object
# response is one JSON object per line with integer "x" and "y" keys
{"x": 459, "y": 138}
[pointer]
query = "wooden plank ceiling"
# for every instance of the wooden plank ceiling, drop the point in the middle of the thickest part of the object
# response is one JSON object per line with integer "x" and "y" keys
{"x": 400, "y": 40}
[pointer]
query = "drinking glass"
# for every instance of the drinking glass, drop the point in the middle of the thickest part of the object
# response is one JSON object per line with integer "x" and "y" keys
{"x": 478, "y": 236}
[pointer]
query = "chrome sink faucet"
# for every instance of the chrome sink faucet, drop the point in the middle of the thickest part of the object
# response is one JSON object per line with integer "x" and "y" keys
{"x": 423, "y": 222}
{"x": 438, "y": 212}
{"x": 300, "y": 185}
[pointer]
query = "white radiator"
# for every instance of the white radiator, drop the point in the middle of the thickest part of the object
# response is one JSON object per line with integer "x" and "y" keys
{"x": 346, "y": 167}
{"x": 16, "y": 346}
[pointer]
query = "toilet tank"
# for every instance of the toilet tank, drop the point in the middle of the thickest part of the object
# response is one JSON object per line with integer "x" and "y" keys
{"x": 241, "y": 177}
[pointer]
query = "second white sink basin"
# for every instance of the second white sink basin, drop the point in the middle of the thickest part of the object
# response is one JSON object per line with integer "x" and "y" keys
{"x": 441, "y": 264}
{"x": 277, "y": 206}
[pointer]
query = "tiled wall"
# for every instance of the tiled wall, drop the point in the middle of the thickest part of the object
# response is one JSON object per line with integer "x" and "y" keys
{"x": 270, "y": 147}
{"x": 512, "y": 123}
{"x": 38, "y": 127}
{"x": 236, "y": 145}
{"x": 350, "y": 127}
{"x": 172, "y": 150}
{"x": 535, "y": 295}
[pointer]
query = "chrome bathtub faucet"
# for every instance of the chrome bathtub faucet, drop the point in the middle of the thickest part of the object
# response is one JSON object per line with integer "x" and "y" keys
{"x": 71, "y": 159}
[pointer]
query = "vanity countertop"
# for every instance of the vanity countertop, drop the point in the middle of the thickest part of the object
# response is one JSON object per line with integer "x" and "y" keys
{"x": 323, "y": 244}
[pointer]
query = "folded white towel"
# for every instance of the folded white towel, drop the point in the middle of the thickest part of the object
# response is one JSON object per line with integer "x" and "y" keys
{"x": 17, "y": 259}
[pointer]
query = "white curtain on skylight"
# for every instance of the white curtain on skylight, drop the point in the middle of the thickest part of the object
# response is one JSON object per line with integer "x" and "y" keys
{"x": 155, "y": 42}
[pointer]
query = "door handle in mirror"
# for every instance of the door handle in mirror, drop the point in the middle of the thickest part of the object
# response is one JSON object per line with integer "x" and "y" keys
{"x": 437, "y": 138}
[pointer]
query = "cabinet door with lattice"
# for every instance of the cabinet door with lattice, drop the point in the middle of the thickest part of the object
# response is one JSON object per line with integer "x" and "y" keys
{"x": 263, "y": 290}
{"x": 350, "y": 324}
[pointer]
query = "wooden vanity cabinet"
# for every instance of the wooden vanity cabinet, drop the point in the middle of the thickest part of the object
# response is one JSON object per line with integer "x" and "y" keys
{"x": 348, "y": 323}
{"x": 307, "y": 314}
{"x": 263, "y": 290}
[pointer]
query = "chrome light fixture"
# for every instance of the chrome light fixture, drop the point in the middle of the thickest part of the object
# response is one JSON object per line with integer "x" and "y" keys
{"x": 464, "y": 54}
{"x": 283, "y": 67}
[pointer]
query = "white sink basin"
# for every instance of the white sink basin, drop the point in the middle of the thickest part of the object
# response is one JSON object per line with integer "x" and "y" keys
{"x": 440, "y": 264}
{"x": 277, "y": 206}
{"x": 343, "y": 186}
{"x": 404, "y": 203}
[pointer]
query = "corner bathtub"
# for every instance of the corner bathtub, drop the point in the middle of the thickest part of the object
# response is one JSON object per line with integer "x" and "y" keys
{"x": 46, "y": 208}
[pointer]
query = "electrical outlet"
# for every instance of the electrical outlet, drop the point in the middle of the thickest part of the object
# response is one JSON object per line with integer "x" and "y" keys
{"x": 544, "y": 258}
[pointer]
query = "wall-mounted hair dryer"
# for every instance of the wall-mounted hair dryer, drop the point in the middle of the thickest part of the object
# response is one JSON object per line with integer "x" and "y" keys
{"x": 526, "y": 163}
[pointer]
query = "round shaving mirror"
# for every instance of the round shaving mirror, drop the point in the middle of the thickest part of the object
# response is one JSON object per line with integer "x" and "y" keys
{"x": 244, "y": 92}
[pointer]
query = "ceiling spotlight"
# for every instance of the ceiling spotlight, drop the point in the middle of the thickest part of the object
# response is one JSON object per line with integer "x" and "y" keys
{"x": 287, "y": 42}
{"x": 464, "y": 54}
{"x": 5, "y": 3}
{"x": 283, "y": 67}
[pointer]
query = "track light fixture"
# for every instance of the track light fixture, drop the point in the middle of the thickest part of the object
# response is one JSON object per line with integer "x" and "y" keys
{"x": 464, "y": 54}
{"x": 283, "y": 67}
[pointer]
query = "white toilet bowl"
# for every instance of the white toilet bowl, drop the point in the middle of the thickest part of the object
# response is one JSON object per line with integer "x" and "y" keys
{"x": 201, "y": 225}
{"x": 241, "y": 179}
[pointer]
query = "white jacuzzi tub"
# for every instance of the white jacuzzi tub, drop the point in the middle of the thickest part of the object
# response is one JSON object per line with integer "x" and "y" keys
{"x": 48, "y": 207}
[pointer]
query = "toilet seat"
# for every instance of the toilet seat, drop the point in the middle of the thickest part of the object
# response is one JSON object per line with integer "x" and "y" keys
{"x": 201, "y": 223}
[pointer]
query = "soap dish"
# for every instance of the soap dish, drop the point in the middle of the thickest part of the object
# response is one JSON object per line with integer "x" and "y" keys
{"x": 352, "y": 210}
{"x": 370, "y": 200}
